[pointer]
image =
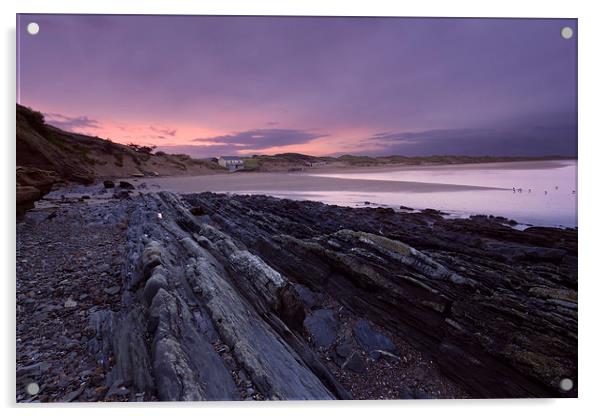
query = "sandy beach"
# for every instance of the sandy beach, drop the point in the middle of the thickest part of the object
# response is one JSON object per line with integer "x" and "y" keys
{"x": 293, "y": 182}
{"x": 319, "y": 179}
{"x": 544, "y": 191}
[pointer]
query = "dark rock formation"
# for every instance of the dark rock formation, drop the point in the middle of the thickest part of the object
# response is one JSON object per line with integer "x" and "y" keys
{"x": 122, "y": 194}
{"x": 309, "y": 298}
{"x": 355, "y": 363}
{"x": 126, "y": 185}
{"x": 372, "y": 341}
{"x": 199, "y": 307}
{"x": 32, "y": 184}
{"x": 322, "y": 325}
{"x": 494, "y": 306}
{"x": 217, "y": 297}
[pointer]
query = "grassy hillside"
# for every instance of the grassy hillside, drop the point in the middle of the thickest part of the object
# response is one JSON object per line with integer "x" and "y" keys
{"x": 47, "y": 155}
{"x": 297, "y": 161}
{"x": 80, "y": 158}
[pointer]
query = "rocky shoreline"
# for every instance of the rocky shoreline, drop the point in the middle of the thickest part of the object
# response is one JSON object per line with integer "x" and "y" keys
{"x": 128, "y": 296}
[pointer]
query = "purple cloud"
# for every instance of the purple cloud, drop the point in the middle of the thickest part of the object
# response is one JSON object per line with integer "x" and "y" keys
{"x": 337, "y": 74}
{"x": 200, "y": 151}
{"x": 69, "y": 123}
{"x": 263, "y": 138}
{"x": 553, "y": 134}
{"x": 163, "y": 132}
{"x": 243, "y": 142}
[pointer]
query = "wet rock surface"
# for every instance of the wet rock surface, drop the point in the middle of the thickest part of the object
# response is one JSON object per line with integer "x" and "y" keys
{"x": 322, "y": 325}
{"x": 215, "y": 297}
{"x": 372, "y": 341}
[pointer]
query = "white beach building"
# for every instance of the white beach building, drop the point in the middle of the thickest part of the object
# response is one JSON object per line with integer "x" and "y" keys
{"x": 315, "y": 163}
{"x": 232, "y": 163}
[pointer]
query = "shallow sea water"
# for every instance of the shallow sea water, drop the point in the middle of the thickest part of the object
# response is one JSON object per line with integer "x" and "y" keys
{"x": 541, "y": 196}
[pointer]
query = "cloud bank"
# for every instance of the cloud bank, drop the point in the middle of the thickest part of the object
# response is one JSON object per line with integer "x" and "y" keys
{"x": 71, "y": 123}
{"x": 258, "y": 139}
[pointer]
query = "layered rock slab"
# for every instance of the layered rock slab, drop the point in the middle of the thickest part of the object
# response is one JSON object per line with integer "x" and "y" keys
{"x": 495, "y": 307}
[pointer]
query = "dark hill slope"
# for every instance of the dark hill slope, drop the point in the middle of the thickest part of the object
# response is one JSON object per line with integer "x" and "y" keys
{"x": 47, "y": 155}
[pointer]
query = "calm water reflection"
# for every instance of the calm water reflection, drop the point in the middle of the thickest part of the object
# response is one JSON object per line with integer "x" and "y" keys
{"x": 544, "y": 194}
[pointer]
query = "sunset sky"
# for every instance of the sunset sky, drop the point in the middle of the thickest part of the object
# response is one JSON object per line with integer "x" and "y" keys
{"x": 211, "y": 85}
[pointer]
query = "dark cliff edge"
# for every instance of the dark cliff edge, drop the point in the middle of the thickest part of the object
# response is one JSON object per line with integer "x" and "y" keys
{"x": 217, "y": 297}
{"x": 43, "y": 159}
